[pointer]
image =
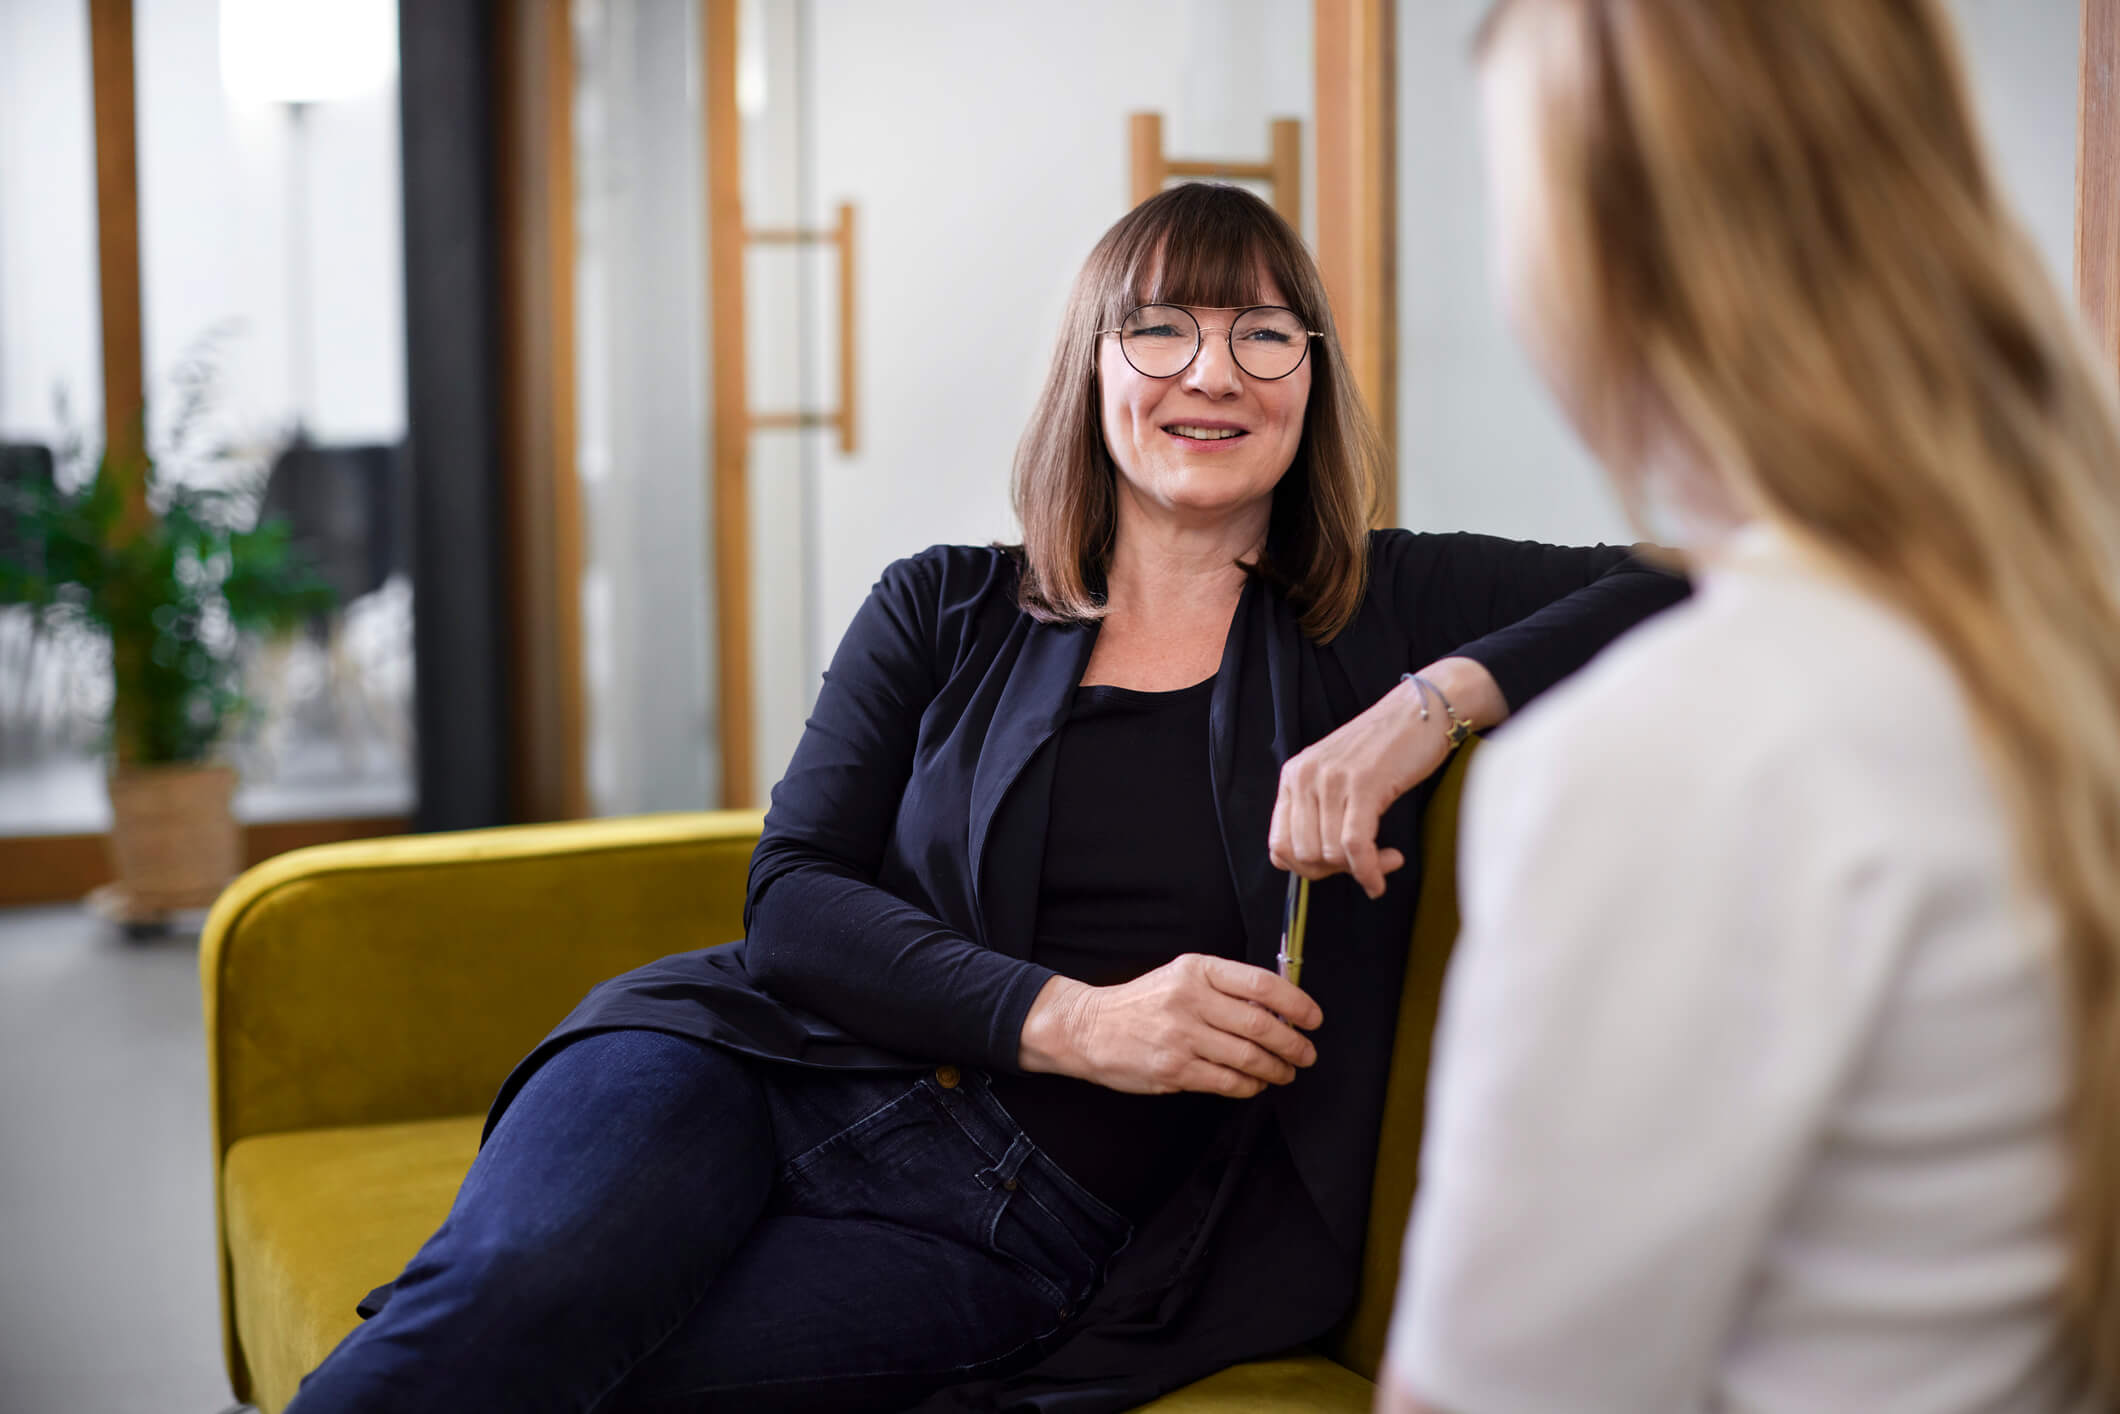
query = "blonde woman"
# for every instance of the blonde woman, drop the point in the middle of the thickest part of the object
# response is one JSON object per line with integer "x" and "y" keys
{"x": 1778, "y": 1070}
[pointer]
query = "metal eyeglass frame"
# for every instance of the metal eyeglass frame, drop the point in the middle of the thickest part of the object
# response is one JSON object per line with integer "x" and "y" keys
{"x": 1200, "y": 333}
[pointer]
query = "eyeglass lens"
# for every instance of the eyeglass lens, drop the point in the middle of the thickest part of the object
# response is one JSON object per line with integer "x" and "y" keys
{"x": 1161, "y": 340}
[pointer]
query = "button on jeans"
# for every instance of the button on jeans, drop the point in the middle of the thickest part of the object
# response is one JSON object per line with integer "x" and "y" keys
{"x": 655, "y": 1224}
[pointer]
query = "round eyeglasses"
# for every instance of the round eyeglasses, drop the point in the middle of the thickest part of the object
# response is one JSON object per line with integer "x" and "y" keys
{"x": 1267, "y": 341}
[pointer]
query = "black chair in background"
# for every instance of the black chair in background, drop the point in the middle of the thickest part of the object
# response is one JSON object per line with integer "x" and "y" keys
{"x": 26, "y": 468}
{"x": 348, "y": 511}
{"x": 346, "y": 507}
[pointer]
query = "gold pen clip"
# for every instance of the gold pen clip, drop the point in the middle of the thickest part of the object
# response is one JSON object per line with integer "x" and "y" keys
{"x": 1295, "y": 913}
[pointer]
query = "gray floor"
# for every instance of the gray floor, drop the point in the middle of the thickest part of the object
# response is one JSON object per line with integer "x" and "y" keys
{"x": 107, "y": 1298}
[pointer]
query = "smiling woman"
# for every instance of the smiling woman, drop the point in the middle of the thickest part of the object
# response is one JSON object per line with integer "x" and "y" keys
{"x": 1198, "y": 256}
{"x": 991, "y": 1106}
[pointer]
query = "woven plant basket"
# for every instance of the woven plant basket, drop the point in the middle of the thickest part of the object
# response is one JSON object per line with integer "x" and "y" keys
{"x": 174, "y": 842}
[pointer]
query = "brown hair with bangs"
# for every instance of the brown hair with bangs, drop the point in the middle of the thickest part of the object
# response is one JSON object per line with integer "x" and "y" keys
{"x": 1205, "y": 245}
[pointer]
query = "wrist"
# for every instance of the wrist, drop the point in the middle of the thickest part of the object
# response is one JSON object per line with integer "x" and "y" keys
{"x": 1052, "y": 1028}
{"x": 1471, "y": 690}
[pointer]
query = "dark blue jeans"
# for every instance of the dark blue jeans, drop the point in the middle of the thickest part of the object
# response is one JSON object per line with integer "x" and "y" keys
{"x": 655, "y": 1224}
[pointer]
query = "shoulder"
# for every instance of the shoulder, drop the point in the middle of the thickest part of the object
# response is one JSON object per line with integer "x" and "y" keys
{"x": 1405, "y": 563}
{"x": 939, "y": 604}
{"x": 946, "y": 581}
{"x": 1409, "y": 567}
{"x": 1394, "y": 552}
{"x": 940, "y": 567}
{"x": 1775, "y": 694}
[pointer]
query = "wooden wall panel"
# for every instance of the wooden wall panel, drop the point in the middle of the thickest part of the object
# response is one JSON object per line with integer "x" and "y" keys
{"x": 1357, "y": 244}
{"x": 535, "y": 133}
{"x": 2098, "y": 173}
{"x": 110, "y": 43}
{"x": 731, "y": 497}
{"x": 1146, "y": 168}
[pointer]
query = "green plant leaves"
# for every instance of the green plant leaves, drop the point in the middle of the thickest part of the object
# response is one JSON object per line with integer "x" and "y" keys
{"x": 173, "y": 597}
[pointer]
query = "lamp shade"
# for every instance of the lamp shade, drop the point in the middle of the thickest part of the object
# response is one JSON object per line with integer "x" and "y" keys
{"x": 306, "y": 51}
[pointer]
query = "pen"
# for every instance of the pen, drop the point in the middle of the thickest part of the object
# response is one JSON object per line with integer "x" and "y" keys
{"x": 1295, "y": 913}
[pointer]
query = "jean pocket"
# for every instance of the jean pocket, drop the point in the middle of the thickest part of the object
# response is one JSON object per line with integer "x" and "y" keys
{"x": 876, "y": 1117}
{"x": 889, "y": 1163}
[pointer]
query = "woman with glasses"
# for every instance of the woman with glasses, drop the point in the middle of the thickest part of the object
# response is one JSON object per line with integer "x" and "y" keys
{"x": 1001, "y": 1101}
{"x": 1811, "y": 1096}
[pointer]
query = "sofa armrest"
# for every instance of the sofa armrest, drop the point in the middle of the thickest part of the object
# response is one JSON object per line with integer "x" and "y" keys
{"x": 390, "y": 980}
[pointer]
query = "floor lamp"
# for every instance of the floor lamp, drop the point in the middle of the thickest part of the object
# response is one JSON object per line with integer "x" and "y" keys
{"x": 296, "y": 54}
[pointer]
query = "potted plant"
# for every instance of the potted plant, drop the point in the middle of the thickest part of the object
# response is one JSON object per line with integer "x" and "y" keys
{"x": 172, "y": 581}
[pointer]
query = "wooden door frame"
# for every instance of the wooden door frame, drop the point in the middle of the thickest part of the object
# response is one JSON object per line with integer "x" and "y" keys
{"x": 2098, "y": 174}
{"x": 1355, "y": 48}
{"x": 535, "y": 79}
{"x": 534, "y": 135}
{"x": 729, "y": 471}
{"x": 112, "y": 89}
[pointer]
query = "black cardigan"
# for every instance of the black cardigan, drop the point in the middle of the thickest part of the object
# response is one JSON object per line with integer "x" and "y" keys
{"x": 892, "y": 899}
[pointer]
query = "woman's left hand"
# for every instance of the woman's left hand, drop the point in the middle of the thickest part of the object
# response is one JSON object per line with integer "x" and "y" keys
{"x": 1335, "y": 792}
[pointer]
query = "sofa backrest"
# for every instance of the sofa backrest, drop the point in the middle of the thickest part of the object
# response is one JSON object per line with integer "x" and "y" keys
{"x": 1359, "y": 1343}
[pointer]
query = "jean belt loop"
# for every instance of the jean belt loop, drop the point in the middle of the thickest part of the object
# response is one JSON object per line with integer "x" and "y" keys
{"x": 1003, "y": 1174}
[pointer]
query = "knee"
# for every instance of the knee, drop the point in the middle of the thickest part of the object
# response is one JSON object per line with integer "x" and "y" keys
{"x": 624, "y": 1144}
{"x": 604, "y": 1107}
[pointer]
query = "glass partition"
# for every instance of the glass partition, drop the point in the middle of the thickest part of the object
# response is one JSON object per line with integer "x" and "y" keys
{"x": 273, "y": 347}
{"x": 641, "y": 381}
{"x": 272, "y": 260}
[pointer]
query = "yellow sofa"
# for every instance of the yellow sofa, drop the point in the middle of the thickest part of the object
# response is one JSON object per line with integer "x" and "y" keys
{"x": 363, "y": 1002}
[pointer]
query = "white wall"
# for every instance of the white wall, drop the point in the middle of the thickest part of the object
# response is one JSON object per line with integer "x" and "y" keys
{"x": 986, "y": 149}
{"x": 1481, "y": 447}
{"x": 50, "y": 333}
{"x": 2024, "y": 56}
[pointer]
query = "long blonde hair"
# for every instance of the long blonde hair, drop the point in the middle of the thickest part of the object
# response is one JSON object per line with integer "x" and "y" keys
{"x": 1772, "y": 232}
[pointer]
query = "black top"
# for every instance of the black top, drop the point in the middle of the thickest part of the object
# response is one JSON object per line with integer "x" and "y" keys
{"x": 1134, "y": 876}
{"x": 893, "y": 905}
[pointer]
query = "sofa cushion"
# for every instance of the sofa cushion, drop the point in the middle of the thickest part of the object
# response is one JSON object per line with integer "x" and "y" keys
{"x": 320, "y": 1217}
{"x": 1310, "y": 1383}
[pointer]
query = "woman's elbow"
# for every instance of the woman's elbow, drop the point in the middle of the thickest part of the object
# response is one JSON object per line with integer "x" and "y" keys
{"x": 766, "y": 955}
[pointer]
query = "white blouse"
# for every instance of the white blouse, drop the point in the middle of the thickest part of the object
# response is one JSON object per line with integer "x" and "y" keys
{"x": 1749, "y": 1080}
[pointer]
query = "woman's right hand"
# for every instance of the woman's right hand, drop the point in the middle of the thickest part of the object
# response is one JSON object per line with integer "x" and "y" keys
{"x": 1208, "y": 1024}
